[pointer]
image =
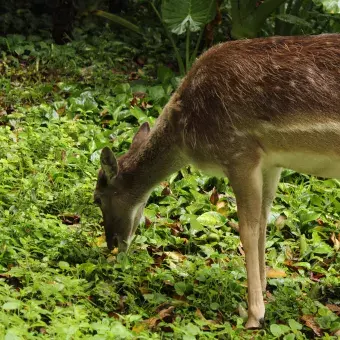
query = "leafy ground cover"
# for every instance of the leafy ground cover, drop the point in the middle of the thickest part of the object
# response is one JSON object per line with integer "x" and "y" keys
{"x": 184, "y": 277}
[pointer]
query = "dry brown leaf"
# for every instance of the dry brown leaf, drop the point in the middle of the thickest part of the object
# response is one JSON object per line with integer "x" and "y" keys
{"x": 333, "y": 308}
{"x": 275, "y": 273}
{"x": 166, "y": 191}
{"x": 152, "y": 322}
{"x": 310, "y": 322}
{"x": 240, "y": 249}
{"x": 176, "y": 228}
{"x": 336, "y": 242}
{"x": 164, "y": 313}
{"x": 214, "y": 196}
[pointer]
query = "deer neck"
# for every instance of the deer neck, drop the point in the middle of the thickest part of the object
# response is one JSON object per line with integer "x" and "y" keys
{"x": 155, "y": 159}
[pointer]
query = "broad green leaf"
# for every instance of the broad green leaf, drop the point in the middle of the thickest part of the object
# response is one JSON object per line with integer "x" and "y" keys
{"x": 292, "y": 19}
{"x": 11, "y": 305}
{"x": 303, "y": 245}
{"x": 212, "y": 219}
{"x": 214, "y": 306}
{"x": 294, "y": 325}
{"x": 181, "y": 15}
{"x": 192, "y": 329}
{"x": 180, "y": 288}
{"x": 278, "y": 330}
{"x": 309, "y": 216}
{"x": 63, "y": 265}
{"x": 118, "y": 20}
{"x": 332, "y": 6}
{"x": 289, "y": 336}
{"x": 156, "y": 93}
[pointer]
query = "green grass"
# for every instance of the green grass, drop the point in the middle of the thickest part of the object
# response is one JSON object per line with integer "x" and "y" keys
{"x": 184, "y": 277}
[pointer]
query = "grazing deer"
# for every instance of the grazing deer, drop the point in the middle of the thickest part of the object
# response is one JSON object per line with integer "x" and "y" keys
{"x": 245, "y": 110}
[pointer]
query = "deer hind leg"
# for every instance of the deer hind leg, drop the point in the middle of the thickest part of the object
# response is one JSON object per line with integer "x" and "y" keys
{"x": 270, "y": 179}
{"x": 246, "y": 179}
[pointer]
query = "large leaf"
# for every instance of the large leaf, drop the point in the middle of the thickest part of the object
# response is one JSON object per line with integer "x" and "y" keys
{"x": 292, "y": 19}
{"x": 118, "y": 20}
{"x": 182, "y": 14}
{"x": 332, "y": 6}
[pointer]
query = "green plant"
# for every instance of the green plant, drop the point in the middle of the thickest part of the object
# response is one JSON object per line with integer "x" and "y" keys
{"x": 185, "y": 17}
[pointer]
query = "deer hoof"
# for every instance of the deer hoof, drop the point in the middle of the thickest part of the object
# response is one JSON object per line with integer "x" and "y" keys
{"x": 254, "y": 323}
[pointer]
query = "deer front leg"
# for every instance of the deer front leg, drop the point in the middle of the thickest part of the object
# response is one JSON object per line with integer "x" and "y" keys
{"x": 271, "y": 178}
{"x": 247, "y": 186}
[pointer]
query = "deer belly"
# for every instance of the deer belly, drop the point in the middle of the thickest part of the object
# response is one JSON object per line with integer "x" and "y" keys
{"x": 322, "y": 165}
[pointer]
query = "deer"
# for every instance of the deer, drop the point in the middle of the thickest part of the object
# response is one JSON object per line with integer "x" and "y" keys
{"x": 246, "y": 110}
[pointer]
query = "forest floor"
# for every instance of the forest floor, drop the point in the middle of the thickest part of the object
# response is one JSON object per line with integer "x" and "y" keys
{"x": 184, "y": 276}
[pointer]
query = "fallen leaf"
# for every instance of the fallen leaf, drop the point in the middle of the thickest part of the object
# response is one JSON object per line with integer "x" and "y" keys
{"x": 166, "y": 312}
{"x": 310, "y": 322}
{"x": 166, "y": 191}
{"x": 152, "y": 322}
{"x": 275, "y": 273}
{"x": 240, "y": 249}
{"x": 162, "y": 315}
{"x": 333, "y": 308}
{"x": 336, "y": 242}
{"x": 214, "y": 196}
{"x": 316, "y": 276}
{"x": 147, "y": 223}
{"x": 176, "y": 227}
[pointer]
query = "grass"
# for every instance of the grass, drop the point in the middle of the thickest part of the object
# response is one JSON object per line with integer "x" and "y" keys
{"x": 184, "y": 277}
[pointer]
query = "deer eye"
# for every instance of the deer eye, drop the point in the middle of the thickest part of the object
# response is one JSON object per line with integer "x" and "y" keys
{"x": 97, "y": 200}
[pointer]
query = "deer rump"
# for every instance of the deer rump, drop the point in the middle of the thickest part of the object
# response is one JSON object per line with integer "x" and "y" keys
{"x": 245, "y": 110}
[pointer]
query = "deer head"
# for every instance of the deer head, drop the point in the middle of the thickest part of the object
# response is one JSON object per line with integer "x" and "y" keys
{"x": 118, "y": 194}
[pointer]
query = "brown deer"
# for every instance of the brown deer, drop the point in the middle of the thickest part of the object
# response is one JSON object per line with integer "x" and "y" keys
{"x": 245, "y": 110}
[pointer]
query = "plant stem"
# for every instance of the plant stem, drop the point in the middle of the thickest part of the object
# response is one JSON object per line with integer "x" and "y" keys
{"x": 118, "y": 20}
{"x": 187, "y": 50}
{"x": 178, "y": 56}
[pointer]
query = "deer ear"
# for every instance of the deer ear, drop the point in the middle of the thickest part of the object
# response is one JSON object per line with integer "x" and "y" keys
{"x": 109, "y": 163}
{"x": 141, "y": 134}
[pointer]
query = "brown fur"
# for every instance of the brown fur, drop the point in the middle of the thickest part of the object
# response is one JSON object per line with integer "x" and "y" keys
{"x": 270, "y": 79}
